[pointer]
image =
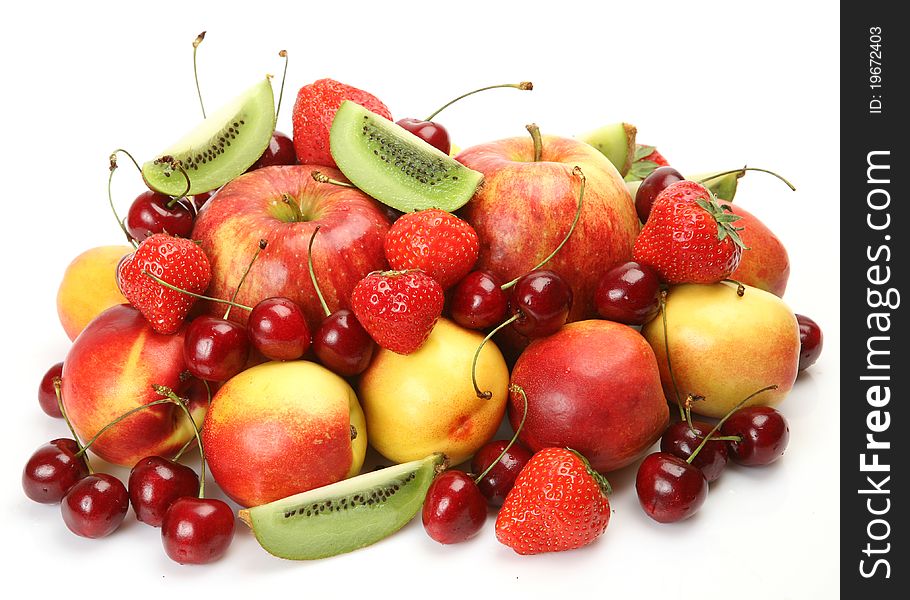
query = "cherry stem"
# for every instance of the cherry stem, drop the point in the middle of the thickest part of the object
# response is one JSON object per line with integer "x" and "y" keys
{"x": 487, "y": 395}
{"x": 283, "y": 54}
{"x": 260, "y": 248}
{"x": 193, "y": 294}
{"x": 581, "y": 195}
{"x": 58, "y": 391}
{"x": 743, "y": 171}
{"x": 518, "y": 390}
{"x": 172, "y": 397}
{"x": 128, "y": 413}
{"x": 176, "y": 164}
{"x": 323, "y": 178}
{"x": 524, "y": 85}
{"x": 110, "y": 197}
{"x": 534, "y": 130}
{"x": 663, "y": 313}
{"x": 191, "y": 441}
{"x": 724, "y": 420}
{"x": 309, "y": 263}
{"x": 196, "y": 43}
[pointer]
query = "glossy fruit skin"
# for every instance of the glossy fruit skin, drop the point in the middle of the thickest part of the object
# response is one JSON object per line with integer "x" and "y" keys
{"x": 47, "y": 395}
{"x": 681, "y": 441}
{"x": 155, "y": 483}
{"x": 150, "y": 213}
{"x": 628, "y": 293}
{"x": 764, "y": 432}
{"x": 96, "y": 506}
{"x": 478, "y": 301}
{"x": 342, "y": 344}
{"x": 810, "y": 342}
{"x": 197, "y": 531}
{"x": 543, "y": 300}
{"x": 215, "y": 349}
{"x": 454, "y": 510}
{"x": 651, "y": 186}
{"x": 429, "y": 131}
{"x": 497, "y": 484}
{"x": 278, "y": 329}
{"x": 52, "y": 470}
{"x": 280, "y": 151}
{"x": 669, "y": 489}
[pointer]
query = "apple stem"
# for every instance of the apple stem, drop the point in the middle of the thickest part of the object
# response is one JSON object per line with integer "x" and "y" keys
{"x": 524, "y": 85}
{"x": 128, "y": 413}
{"x": 663, "y": 313}
{"x": 110, "y": 197}
{"x": 487, "y": 395}
{"x": 191, "y": 441}
{"x": 534, "y": 130}
{"x": 170, "y": 396}
{"x": 518, "y": 390}
{"x": 740, "y": 288}
{"x": 743, "y": 170}
{"x": 260, "y": 248}
{"x": 581, "y": 196}
{"x": 309, "y": 262}
{"x": 323, "y": 178}
{"x": 196, "y": 43}
{"x": 193, "y": 294}
{"x": 58, "y": 391}
{"x": 724, "y": 420}
{"x": 283, "y": 54}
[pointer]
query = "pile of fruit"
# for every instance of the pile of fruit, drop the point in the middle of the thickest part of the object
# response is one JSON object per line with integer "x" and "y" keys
{"x": 286, "y": 301}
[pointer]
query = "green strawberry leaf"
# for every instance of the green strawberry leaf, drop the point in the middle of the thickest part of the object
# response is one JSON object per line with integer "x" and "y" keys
{"x": 642, "y": 169}
{"x": 724, "y": 220}
{"x": 642, "y": 152}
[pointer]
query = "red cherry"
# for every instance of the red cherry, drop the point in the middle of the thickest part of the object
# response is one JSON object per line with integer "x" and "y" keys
{"x": 478, "y": 301}
{"x": 342, "y": 344}
{"x": 764, "y": 432}
{"x": 669, "y": 489}
{"x": 47, "y": 395}
{"x": 429, "y": 131}
{"x": 651, "y": 186}
{"x": 628, "y": 293}
{"x": 153, "y": 213}
{"x": 496, "y": 484}
{"x": 681, "y": 441}
{"x": 278, "y": 329}
{"x": 155, "y": 483}
{"x": 52, "y": 470}
{"x": 215, "y": 349}
{"x": 200, "y": 200}
{"x": 454, "y": 509}
{"x": 810, "y": 341}
{"x": 197, "y": 531}
{"x": 95, "y": 506}
{"x": 279, "y": 152}
{"x": 542, "y": 300}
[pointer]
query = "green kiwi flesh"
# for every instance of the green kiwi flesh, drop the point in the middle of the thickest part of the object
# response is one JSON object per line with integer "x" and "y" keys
{"x": 395, "y": 166}
{"x": 616, "y": 141}
{"x": 220, "y": 148}
{"x": 724, "y": 187}
{"x": 343, "y": 516}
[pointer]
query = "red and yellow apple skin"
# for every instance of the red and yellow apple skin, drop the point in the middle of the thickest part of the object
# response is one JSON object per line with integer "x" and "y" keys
{"x": 283, "y": 205}
{"x": 593, "y": 386}
{"x": 524, "y": 209}
{"x": 282, "y": 428}
{"x": 725, "y": 347}
{"x": 765, "y": 264}
{"x": 89, "y": 287}
{"x": 109, "y": 370}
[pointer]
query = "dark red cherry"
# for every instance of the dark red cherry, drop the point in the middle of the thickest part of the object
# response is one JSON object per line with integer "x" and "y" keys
{"x": 681, "y": 441}
{"x": 155, "y": 483}
{"x": 278, "y": 329}
{"x": 542, "y": 300}
{"x": 429, "y": 131}
{"x": 478, "y": 301}
{"x": 47, "y": 395}
{"x": 669, "y": 489}
{"x": 654, "y": 184}
{"x": 197, "y": 531}
{"x": 153, "y": 213}
{"x": 96, "y": 506}
{"x": 280, "y": 151}
{"x": 764, "y": 432}
{"x": 342, "y": 344}
{"x": 200, "y": 200}
{"x": 215, "y": 349}
{"x": 810, "y": 341}
{"x": 496, "y": 484}
{"x": 52, "y": 470}
{"x": 628, "y": 293}
{"x": 454, "y": 510}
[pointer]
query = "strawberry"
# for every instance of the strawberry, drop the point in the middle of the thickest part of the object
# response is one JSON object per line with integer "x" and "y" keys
{"x": 398, "y": 308}
{"x": 434, "y": 241}
{"x": 314, "y": 111}
{"x": 689, "y": 237}
{"x": 178, "y": 261}
{"x": 558, "y": 503}
{"x": 644, "y": 161}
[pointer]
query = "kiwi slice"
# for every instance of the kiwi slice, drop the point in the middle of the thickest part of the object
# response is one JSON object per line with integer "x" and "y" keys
{"x": 343, "y": 516}
{"x": 395, "y": 166}
{"x": 220, "y": 148}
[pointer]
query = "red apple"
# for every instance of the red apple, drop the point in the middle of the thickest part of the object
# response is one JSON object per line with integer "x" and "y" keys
{"x": 593, "y": 386}
{"x": 765, "y": 264}
{"x": 109, "y": 370}
{"x": 284, "y": 205}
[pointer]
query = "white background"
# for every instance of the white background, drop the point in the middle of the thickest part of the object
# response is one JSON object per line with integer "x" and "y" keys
{"x": 714, "y": 85}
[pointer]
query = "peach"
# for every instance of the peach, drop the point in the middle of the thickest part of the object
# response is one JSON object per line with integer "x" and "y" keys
{"x": 765, "y": 264}
{"x": 89, "y": 287}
